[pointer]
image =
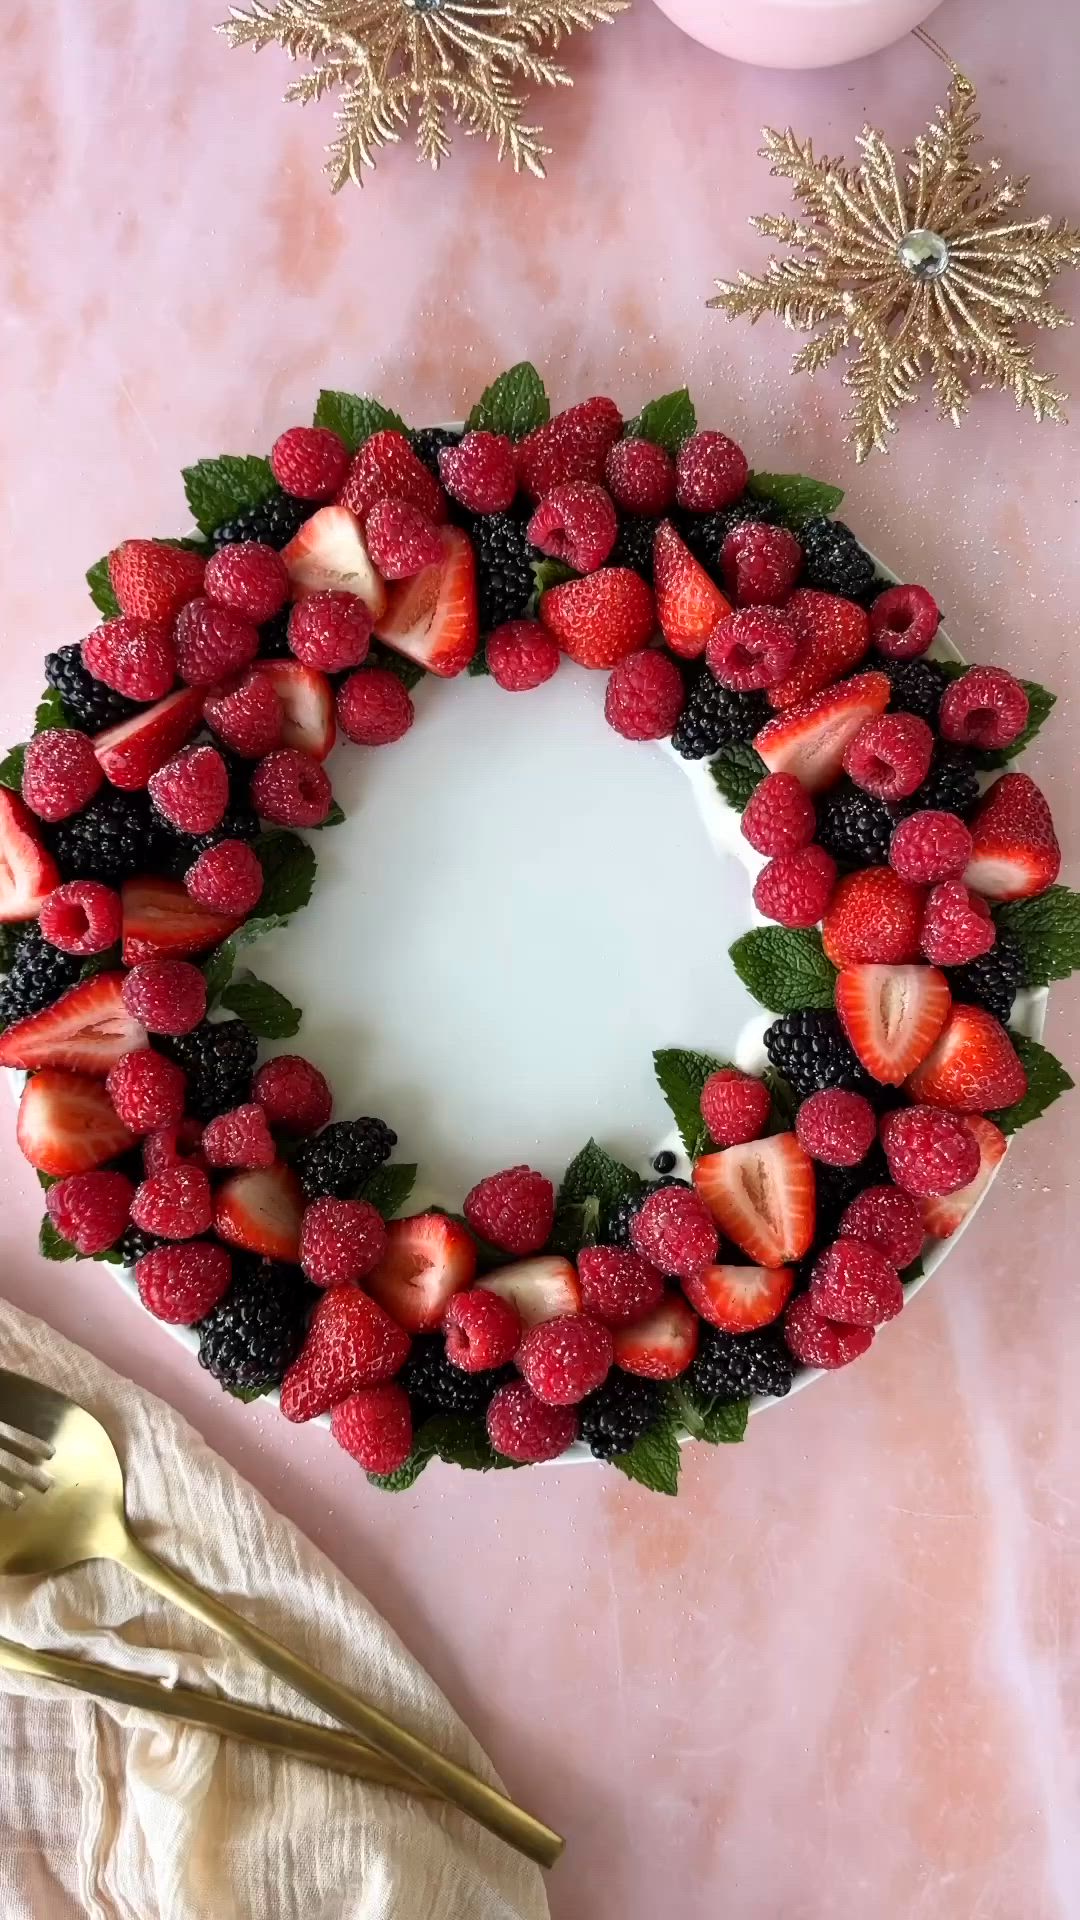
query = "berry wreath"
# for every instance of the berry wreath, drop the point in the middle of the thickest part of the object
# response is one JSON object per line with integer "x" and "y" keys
{"x": 908, "y": 921}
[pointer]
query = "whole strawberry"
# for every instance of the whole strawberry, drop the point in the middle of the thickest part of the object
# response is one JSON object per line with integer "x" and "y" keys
{"x": 573, "y": 446}
{"x": 600, "y": 619}
{"x": 351, "y": 1343}
{"x": 387, "y": 468}
{"x": 153, "y": 580}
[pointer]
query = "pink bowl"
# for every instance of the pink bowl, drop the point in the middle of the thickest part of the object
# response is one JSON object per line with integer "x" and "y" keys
{"x": 796, "y": 33}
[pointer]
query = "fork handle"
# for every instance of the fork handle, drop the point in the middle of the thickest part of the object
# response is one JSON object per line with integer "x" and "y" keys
{"x": 455, "y": 1783}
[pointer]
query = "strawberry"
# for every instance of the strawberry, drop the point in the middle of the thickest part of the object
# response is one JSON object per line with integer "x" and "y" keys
{"x": 762, "y": 1196}
{"x": 28, "y": 872}
{"x": 892, "y": 1016}
{"x": 67, "y": 1124}
{"x": 330, "y": 553}
{"x": 387, "y": 468}
{"x": 351, "y": 1343}
{"x": 428, "y": 1258}
{"x": 573, "y": 446}
{"x": 688, "y": 603}
{"x": 152, "y": 580}
{"x": 599, "y": 620}
{"x": 973, "y": 1066}
{"x": 540, "y": 1289}
{"x": 661, "y": 1346}
{"x": 873, "y": 915}
{"x": 835, "y": 634}
{"x": 128, "y": 754}
{"x": 738, "y": 1299}
{"x": 261, "y": 1210}
{"x": 433, "y": 617}
{"x": 810, "y": 739}
{"x": 943, "y": 1214}
{"x": 307, "y": 704}
{"x": 1015, "y": 851}
{"x": 159, "y": 916}
{"x": 86, "y": 1030}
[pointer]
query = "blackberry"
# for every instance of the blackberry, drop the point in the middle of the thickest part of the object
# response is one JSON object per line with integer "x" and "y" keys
{"x": 634, "y": 543}
{"x": 38, "y": 975}
{"x": 274, "y": 522}
{"x": 621, "y": 1216}
{"x": 435, "y": 1385}
{"x": 505, "y": 582}
{"x": 811, "y": 1050}
{"x": 88, "y": 703}
{"x": 340, "y": 1158}
{"x": 274, "y": 637}
{"x": 833, "y": 560}
{"x": 715, "y": 717}
{"x": 705, "y": 533}
{"x": 993, "y": 980}
{"x": 134, "y": 1242}
{"x": 733, "y": 1366}
{"x": 619, "y": 1412}
{"x": 218, "y": 1057}
{"x": 176, "y": 852}
{"x": 855, "y": 827}
{"x": 112, "y": 838}
{"x": 951, "y": 786}
{"x": 917, "y": 685}
{"x": 428, "y": 443}
{"x": 836, "y": 1186}
{"x": 257, "y": 1330}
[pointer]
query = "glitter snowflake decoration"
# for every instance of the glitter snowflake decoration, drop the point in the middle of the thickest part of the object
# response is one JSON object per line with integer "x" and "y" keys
{"x": 919, "y": 267}
{"x": 390, "y": 59}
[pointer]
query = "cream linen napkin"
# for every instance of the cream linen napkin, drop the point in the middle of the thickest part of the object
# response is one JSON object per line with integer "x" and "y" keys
{"x": 108, "y": 1813}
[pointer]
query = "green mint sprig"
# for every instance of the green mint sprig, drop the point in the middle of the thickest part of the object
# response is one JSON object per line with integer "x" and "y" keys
{"x": 1047, "y": 1081}
{"x": 354, "y": 417}
{"x": 737, "y": 769}
{"x": 797, "y": 497}
{"x": 785, "y": 968}
{"x": 667, "y": 421}
{"x": 217, "y": 489}
{"x": 681, "y": 1074}
{"x": 1048, "y": 930}
{"x": 592, "y": 1184}
{"x": 515, "y": 404}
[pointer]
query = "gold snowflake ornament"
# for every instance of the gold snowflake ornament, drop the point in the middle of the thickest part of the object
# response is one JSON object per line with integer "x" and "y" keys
{"x": 388, "y": 60}
{"x": 920, "y": 267}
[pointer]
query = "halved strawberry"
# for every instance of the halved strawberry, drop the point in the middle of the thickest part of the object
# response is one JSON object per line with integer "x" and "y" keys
{"x": 892, "y": 1016}
{"x": 329, "y": 554}
{"x": 261, "y": 1210}
{"x": 428, "y": 1258}
{"x": 661, "y": 1346}
{"x": 973, "y": 1066}
{"x": 540, "y": 1289}
{"x": 738, "y": 1299}
{"x": 1015, "y": 852}
{"x": 835, "y": 634}
{"x": 433, "y": 617}
{"x": 688, "y": 603}
{"x": 129, "y": 754}
{"x": 307, "y": 700}
{"x": 86, "y": 1030}
{"x": 810, "y": 739}
{"x": 28, "y": 872}
{"x": 160, "y": 917}
{"x": 762, "y": 1196}
{"x": 67, "y": 1124}
{"x": 942, "y": 1214}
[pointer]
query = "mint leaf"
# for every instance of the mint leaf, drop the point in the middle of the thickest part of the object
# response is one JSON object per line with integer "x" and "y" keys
{"x": 913, "y": 1272}
{"x": 798, "y": 497}
{"x": 784, "y": 968}
{"x": 52, "y": 1245}
{"x": 478, "y": 664}
{"x": 50, "y": 711}
{"x": 737, "y": 770}
{"x": 719, "y": 1423}
{"x": 101, "y": 588}
{"x": 551, "y": 573}
{"x": 453, "y": 1437}
{"x": 667, "y": 421}
{"x": 47, "y": 1180}
{"x": 1047, "y": 1081}
{"x": 1048, "y": 929}
{"x": 681, "y": 1075}
{"x": 248, "y": 1394}
{"x": 514, "y": 404}
{"x": 1041, "y": 703}
{"x": 592, "y": 1184}
{"x": 266, "y": 1011}
{"x": 288, "y": 865}
{"x": 335, "y": 818}
{"x": 653, "y": 1460}
{"x": 407, "y": 671}
{"x": 11, "y": 767}
{"x": 355, "y": 417}
{"x": 389, "y": 1187}
{"x": 218, "y": 970}
{"x": 785, "y": 1103}
{"x": 216, "y": 489}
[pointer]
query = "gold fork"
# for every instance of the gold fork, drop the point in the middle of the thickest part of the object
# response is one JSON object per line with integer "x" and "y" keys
{"x": 69, "y": 1486}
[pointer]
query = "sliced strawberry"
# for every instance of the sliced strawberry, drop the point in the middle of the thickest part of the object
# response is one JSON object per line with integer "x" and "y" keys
{"x": 835, "y": 634}
{"x": 810, "y": 739}
{"x": 973, "y": 1066}
{"x": 540, "y": 1289}
{"x": 942, "y": 1214}
{"x": 762, "y": 1196}
{"x": 67, "y": 1124}
{"x": 428, "y": 1258}
{"x": 688, "y": 603}
{"x": 86, "y": 1030}
{"x": 329, "y": 554}
{"x": 160, "y": 917}
{"x": 1014, "y": 847}
{"x": 738, "y": 1299}
{"x": 433, "y": 617}
{"x": 28, "y": 872}
{"x": 261, "y": 1210}
{"x": 132, "y": 752}
{"x": 307, "y": 700}
{"x": 892, "y": 1016}
{"x": 661, "y": 1346}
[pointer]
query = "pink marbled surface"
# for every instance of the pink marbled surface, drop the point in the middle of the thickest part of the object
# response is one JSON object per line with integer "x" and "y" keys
{"x": 841, "y": 1675}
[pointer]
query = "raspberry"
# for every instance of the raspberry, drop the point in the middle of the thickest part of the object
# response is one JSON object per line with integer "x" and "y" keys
{"x": 576, "y": 523}
{"x": 600, "y": 619}
{"x": 929, "y": 846}
{"x": 573, "y": 446}
{"x": 929, "y": 1150}
{"x": 249, "y": 578}
{"x": 673, "y": 1230}
{"x": 374, "y": 1425}
{"x": 735, "y": 1107}
{"x": 756, "y": 647}
{"x": 60, "y": 773}
{"x": 82, "y": 916}
{"x": 192, "y": 791}
{"x": 874, "y": 916}
{"x": 855, "y": 1284}
{"x": 760, "y": 563}
{"x": 402, "y": 541}
{"x": 174, "y": 1146}
{"x": 566, "y": 1358}
{"x": 480, "y": 472}
{"x": 227, "y": 878}
{"x": 309, "y": 462}
{"x": 290, "y": 788}
{"x": 836, "y": 1127}
{"x": 386, "y": 467}
{"x": 293, "y": 1094}
{"x": 183, "y": 1284}
{"x": 240, "y": 1138}
{"x": 957, "y": 926}
{"x": 522, "y": 1428}
{"x": 373, "y": 708}
{"x": 246, "y": 713}
{"x": 330, "y": 631}
{"x": 521, "y": 656}
{"x": 340, "y": 1240}
{"x": 514, "y": 1209}
{"x": 779, "y": 816}
{"x": 91, "y": 1210}
{"x": 212, "y": 642}
{"x": 903, "y": 621}
{"x": 795, "y": 888}
{"x": 822, "y": 1343}
{"x": 176, "y": 1203}
{"x": 645, "y": 696}
{"x": 617, "y": 1285}
{"x": 167, "y": 996}
{"x": 640, "y": 476}
{"x": 886, "y": 1218}
{"x": 153, "y": 580}
{"x": 890, "y": 756}
{"x": 147, "y": 1090}
{"x": 710, "y": 472}
{"x": 986, "y": 707}
{"x": 482, "y": 1330}
{"x": 135, "y": 657}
